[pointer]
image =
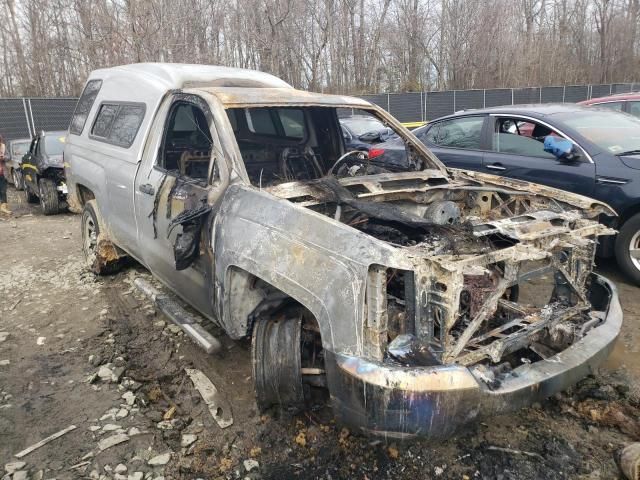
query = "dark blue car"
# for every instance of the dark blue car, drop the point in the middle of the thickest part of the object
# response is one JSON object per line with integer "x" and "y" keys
{"x": 602, "y": 160}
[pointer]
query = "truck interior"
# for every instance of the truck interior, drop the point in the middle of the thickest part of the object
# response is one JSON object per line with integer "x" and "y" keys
{"x": 284, "y": 144}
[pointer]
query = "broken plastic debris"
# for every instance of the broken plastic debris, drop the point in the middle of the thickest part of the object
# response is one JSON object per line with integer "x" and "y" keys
{"x": 50, "y": 438}
{"x": 219, "y": 408}
{"x": 112, "y": 441}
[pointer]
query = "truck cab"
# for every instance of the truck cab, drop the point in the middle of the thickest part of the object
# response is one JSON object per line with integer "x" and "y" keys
{"x": 421, "y": 299}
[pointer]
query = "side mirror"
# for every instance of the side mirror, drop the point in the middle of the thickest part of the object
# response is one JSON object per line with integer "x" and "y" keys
{"x": 561, "y": 148}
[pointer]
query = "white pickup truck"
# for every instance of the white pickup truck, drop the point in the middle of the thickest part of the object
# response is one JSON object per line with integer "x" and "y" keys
{"x": 422, "y": 299}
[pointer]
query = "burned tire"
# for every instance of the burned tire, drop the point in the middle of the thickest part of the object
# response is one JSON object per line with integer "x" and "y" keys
{"x": 627, "y": 248}
{"x": 281, "y": 356}
{"x": 48, "y": 194}
{"x": 100, "y": 255}
{"x": 17, "y": 179}
{"x": 28, "y": 196}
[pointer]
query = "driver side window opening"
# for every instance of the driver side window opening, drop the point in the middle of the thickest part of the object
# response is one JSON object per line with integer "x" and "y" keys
{"x": 522, "y": 137}
{"x": 187, "y": 145}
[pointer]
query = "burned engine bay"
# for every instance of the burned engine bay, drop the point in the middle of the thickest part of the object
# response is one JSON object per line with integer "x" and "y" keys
{"x": 488, "y": 275}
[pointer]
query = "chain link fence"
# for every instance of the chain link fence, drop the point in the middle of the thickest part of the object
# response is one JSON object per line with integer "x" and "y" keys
{"x": 425, "y": 106}
{"x": 22, "y": 117}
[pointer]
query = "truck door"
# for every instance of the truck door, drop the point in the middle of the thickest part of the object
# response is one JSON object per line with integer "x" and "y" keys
{"x": 180, "y": 175}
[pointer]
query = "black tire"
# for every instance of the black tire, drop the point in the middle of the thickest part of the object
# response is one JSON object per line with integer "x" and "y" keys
{"x": 48, "y": 194}
{"x": 276, "y": 359}
{"x": 629, "y": 239}
{"x": 17, "y": 179}
{"x": 28, "y": 196}
{"x": 94, "y": 246}
{"x": 286, "y": 351}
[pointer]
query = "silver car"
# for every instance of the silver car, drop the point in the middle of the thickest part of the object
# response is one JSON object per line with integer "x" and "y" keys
{"x": 422, "y": 300}
{"x": 15, "y": 150}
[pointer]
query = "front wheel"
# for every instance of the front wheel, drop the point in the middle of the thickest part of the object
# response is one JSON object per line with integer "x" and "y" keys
{"x": 28, "y": 196}
{"x": 628, "y": 248}
{"x": 288, "y": 360}
{"x": 49, "y": 196}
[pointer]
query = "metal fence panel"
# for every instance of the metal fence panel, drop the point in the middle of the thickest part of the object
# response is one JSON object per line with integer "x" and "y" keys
{"x": 497, "y": 96}
{"x": 621, "y": 88}
{"x": 52, "y": 113}
{"x": 406, "y": 107}
{"x": 600, "y": 90}
{"x": 468, "y": 99}
{"x": 13, "y": 121}
{"x": 551, "y": 94}
{"x": 381, "y": 99}
{"x": 576, "y": 93}
{"x": 526, "y": 95}
{"x": 439, "y": 104}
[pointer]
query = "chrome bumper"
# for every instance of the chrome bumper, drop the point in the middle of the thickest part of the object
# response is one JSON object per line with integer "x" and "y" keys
{"x": 400, "y": 402}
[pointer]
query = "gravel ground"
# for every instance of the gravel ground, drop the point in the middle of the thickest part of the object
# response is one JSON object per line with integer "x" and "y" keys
{"x": 89, "y": 352}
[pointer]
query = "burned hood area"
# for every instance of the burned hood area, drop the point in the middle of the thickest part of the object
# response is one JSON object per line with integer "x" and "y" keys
{"x": 485, "y": 275}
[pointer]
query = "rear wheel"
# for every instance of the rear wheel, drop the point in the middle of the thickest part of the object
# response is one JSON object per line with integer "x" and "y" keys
{"x": 49, "y": 196}
{"x": 17, "y": 179}
{"x": 628, "y": 248}
{"x": 100, "y": 255}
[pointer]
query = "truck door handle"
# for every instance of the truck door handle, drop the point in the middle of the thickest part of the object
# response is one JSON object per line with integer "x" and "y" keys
{"x": 147, "y": 188}
{"x": 496, "y": 166}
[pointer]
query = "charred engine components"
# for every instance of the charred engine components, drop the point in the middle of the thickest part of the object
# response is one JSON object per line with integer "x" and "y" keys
{"x": 443, "y": 213}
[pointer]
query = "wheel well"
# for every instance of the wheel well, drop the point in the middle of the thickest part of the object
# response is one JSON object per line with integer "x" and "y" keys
{"x": 84, "y": 194}
{"x": 248, "y": 297}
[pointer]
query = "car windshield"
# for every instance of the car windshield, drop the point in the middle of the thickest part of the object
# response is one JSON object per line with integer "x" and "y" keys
{"x": 613, "y": 131}
{"x": 360, "y": 126}
{"x": 54, "y": 144}
{"x": 19, "y": 148}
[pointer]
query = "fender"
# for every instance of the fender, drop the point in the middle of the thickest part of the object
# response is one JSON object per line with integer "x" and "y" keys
{"x": 307, "y": 256}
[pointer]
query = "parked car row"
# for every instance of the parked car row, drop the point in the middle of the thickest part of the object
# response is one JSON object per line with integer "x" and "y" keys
{"x": 35, "y": 166}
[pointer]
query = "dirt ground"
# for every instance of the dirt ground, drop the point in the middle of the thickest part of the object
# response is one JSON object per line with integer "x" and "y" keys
{"x": 60, "y": 326}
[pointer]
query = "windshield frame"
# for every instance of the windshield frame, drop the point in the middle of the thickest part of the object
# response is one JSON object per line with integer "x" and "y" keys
{"x": 430, "y": 161}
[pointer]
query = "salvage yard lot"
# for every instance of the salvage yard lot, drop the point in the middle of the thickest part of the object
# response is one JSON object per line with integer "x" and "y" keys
{"x": 62, "y": 326}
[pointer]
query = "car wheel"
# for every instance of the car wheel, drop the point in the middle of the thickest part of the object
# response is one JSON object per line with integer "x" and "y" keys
{"x": 28, "y": 196}
{"x": 284, "y": 354}
{"x": 100, "y": 255}
{"x": 17, "y": 179}
{"x": 628, "y": 248}
{"x": 49, "y": 196}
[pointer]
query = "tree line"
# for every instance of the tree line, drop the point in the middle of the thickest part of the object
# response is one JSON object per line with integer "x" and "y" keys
{"x": 48, "y": 47}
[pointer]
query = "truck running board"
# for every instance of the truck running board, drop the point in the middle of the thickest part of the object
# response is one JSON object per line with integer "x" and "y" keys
{"x": 178, "y": 315}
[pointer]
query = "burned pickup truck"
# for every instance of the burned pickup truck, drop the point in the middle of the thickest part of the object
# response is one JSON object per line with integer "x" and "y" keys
{"x": 421, "y": 300}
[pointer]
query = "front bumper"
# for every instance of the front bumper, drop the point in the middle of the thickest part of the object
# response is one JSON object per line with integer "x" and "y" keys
{"x": 401, "y": 402}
